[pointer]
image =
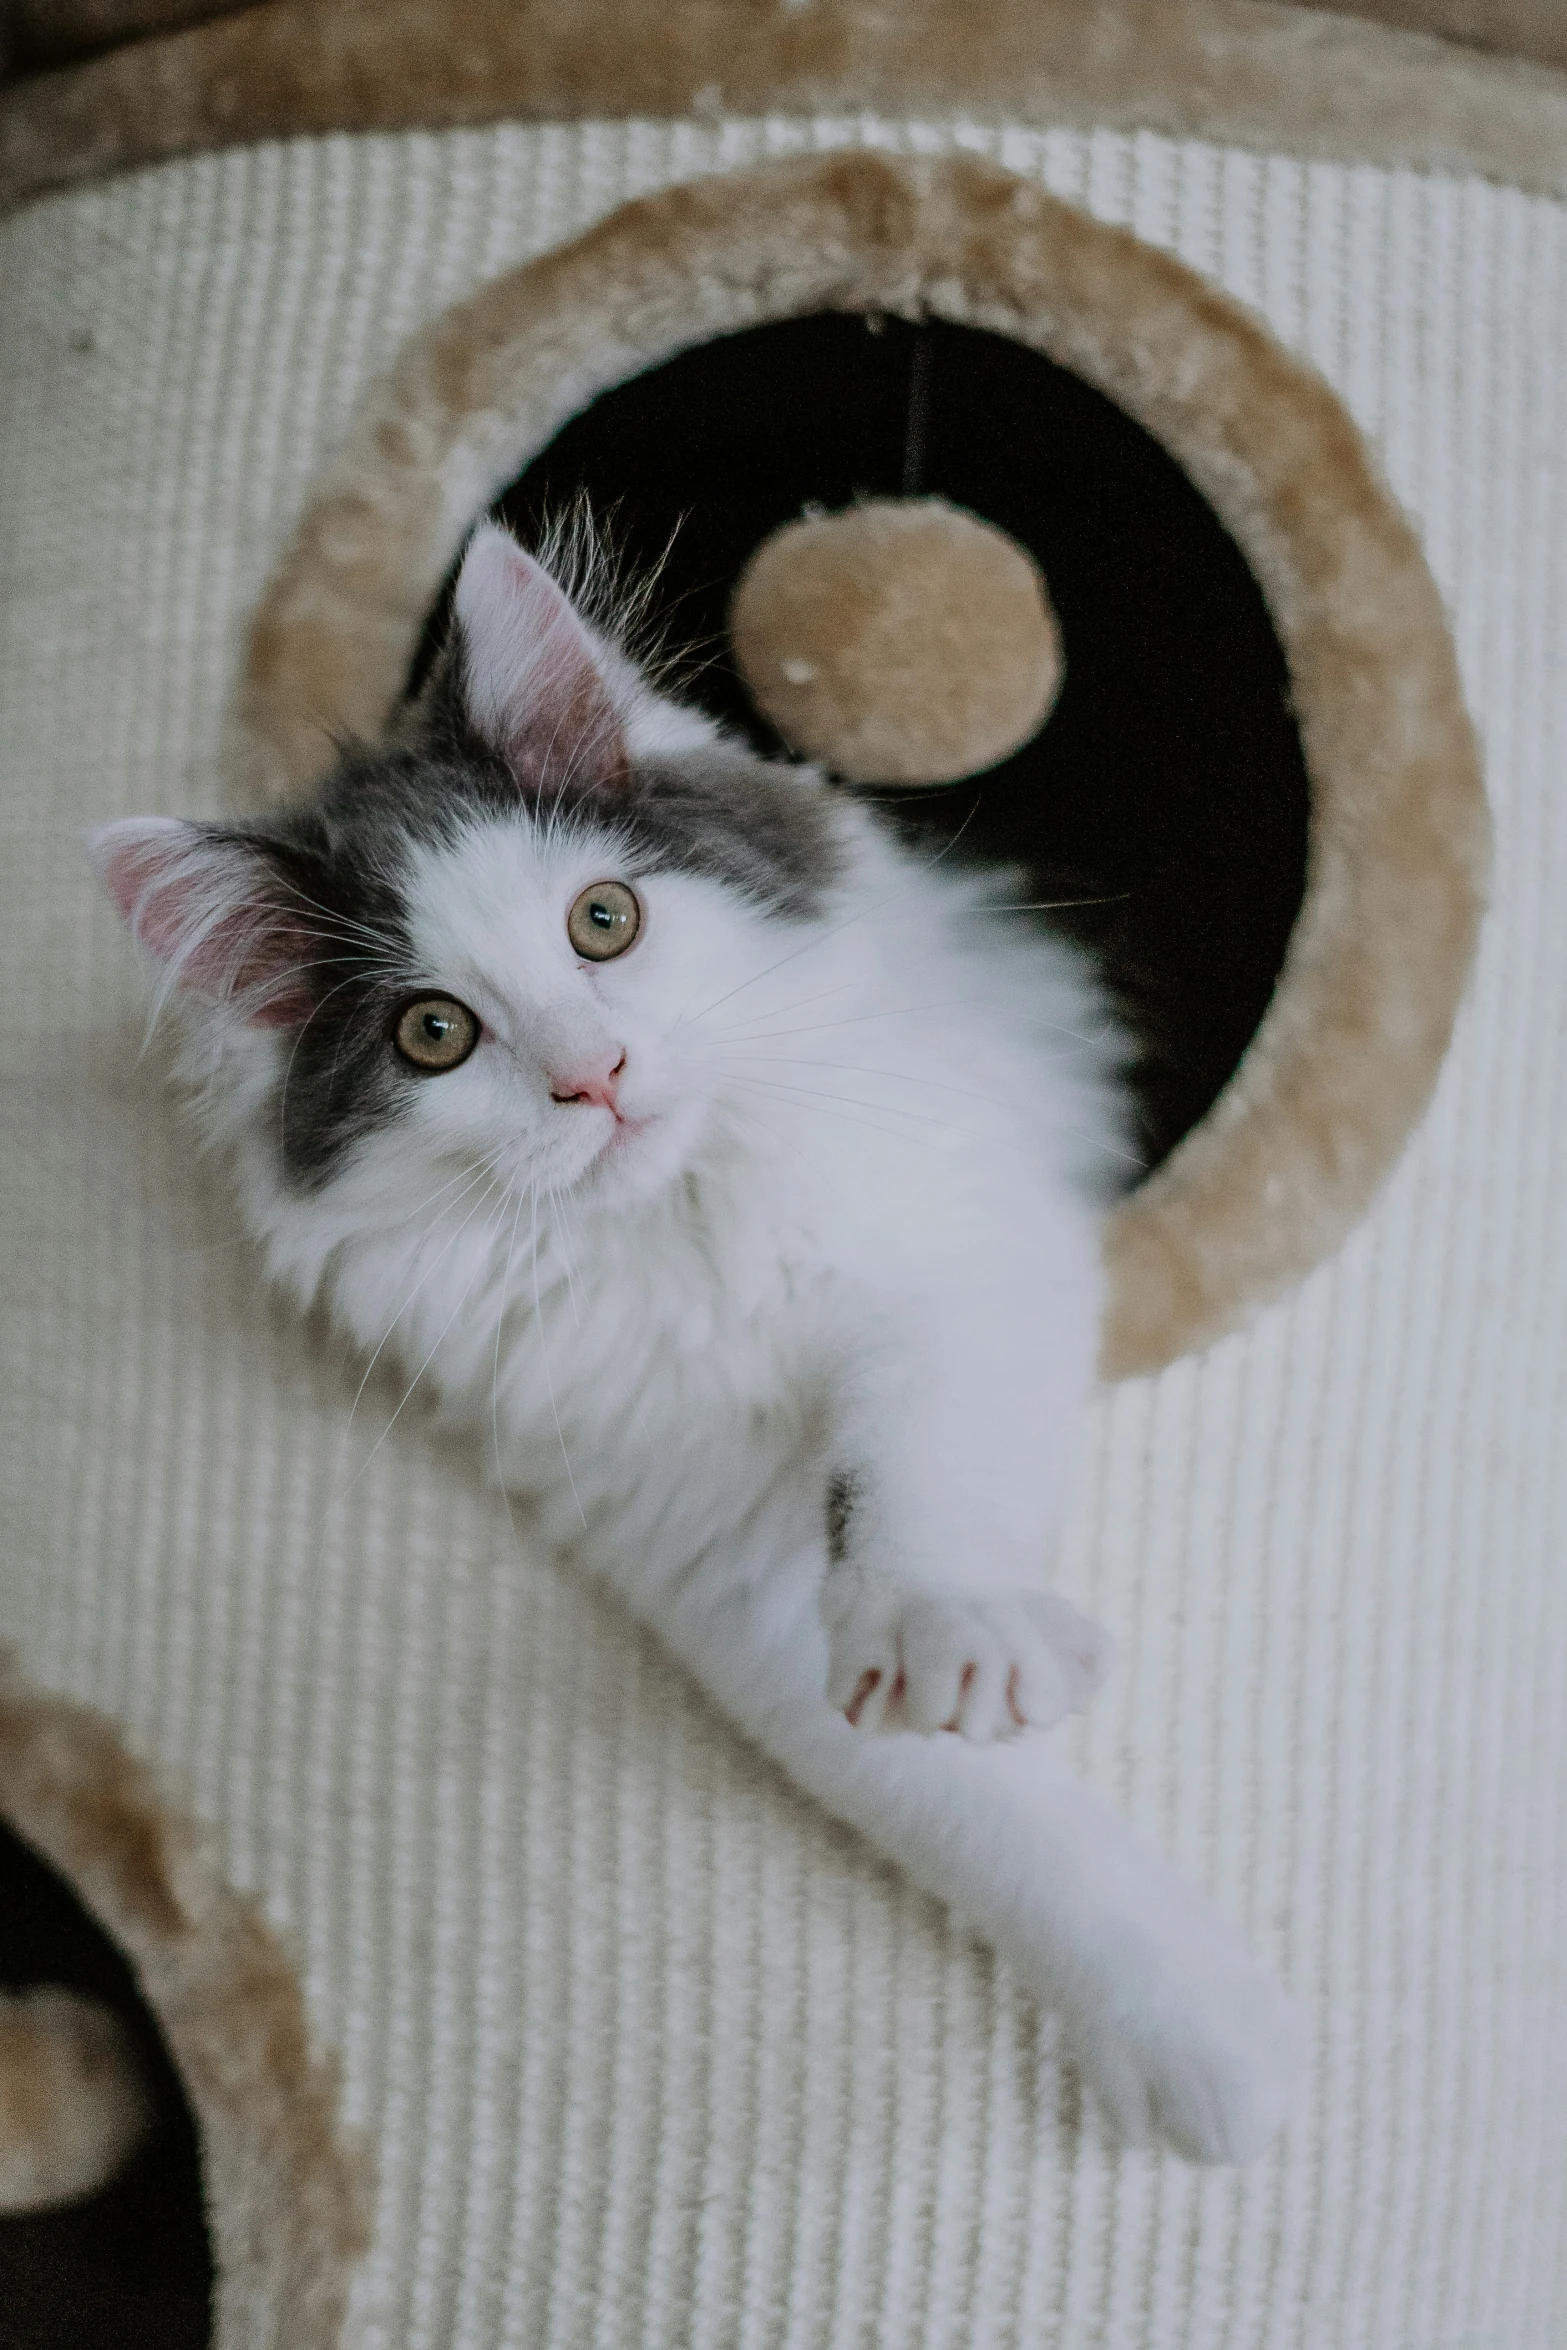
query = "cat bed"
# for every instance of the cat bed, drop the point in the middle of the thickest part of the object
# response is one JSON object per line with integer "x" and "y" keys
{"x": 515, "y": 2001}
{"x": 1368, "y": 969}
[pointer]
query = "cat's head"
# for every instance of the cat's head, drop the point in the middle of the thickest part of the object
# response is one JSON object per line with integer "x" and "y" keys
{"x": 497, "y": 940}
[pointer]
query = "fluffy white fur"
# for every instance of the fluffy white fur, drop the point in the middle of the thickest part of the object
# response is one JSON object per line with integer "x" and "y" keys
{"x": 831, "y": 1241}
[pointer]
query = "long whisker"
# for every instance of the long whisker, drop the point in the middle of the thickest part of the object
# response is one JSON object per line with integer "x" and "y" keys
{"x": 333, "y": 914}
{"x": 915, "y": 1077}
{"x": 435, "y": 1343}
{"x": 783, "y": 1089}
{"x": 549, "y": 1376}
{"x": 288, "y": 1069}
{"x": 470, "y": 1170}
{"x": 821, "y": 937}
{"x": 956, "y": 837}
{"x": 852, "y": 1069}
{"x": 901, "y": 1012}
{"x": 887, "y": 1109}
{"x": 817, "y": 939}
{"x": 495, "y": 1372}
{"x": 735, "y": 1027}
{"x": 831, "y": 1102}
{"x": 556, "y": 1200}
{"x": 748, "y": 1027}
{"x": 730, "y": 1108}
{"x": 1115, "y": 897}
{"x": 476, "y": 1177}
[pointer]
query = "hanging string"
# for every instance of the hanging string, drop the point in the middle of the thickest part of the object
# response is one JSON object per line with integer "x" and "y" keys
{"x": 916, "y": 426}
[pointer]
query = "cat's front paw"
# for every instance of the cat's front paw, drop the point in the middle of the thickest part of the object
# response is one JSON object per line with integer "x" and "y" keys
{"x": 985, "y": 1666}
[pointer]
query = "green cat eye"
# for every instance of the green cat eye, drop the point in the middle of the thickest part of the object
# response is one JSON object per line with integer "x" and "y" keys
{"x": 435, "y": 1032}
{"x": 604, "y": 921}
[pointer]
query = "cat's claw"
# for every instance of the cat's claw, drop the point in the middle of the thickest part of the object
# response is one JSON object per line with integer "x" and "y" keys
{"x": 985, "y": 1666}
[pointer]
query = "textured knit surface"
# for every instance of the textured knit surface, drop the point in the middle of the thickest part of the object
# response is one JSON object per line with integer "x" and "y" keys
{"x": 647, "y": 2054}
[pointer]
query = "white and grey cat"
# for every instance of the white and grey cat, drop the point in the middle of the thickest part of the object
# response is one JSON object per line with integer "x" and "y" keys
{"x": 726, "y": 1169}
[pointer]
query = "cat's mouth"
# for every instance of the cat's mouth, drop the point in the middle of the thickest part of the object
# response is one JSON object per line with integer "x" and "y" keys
{"x": 623, "y": 1136}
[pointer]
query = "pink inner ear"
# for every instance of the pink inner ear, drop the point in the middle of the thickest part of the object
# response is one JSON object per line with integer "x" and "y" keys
{"x": 214, "y": 912}
{"x": 533, "y": 685}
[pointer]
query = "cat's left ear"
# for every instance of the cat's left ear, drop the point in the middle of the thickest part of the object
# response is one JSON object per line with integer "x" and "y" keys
{"x": 217, "y": 912}
{"x": 531, "y": 681}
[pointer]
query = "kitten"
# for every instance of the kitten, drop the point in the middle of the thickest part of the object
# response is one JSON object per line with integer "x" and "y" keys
{"x": 727, "y": 1170}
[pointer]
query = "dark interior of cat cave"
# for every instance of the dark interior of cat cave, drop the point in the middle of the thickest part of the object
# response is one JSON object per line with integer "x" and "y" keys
{"x": 130, "y": 2267}
{"x": 1162, "y": 808}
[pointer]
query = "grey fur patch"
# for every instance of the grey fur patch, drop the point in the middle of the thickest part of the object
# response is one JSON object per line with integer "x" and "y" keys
{"x": 844, "y": 1490}
{"x": 760, "y": 827}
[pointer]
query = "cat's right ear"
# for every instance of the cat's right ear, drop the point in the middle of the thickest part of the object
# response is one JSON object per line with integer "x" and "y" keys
{"x": 532, "y": 685}
{"x": 215, "y": 911}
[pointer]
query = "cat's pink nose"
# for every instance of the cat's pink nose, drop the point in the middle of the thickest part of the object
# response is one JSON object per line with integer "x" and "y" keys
{"x": 599, "y": 1083}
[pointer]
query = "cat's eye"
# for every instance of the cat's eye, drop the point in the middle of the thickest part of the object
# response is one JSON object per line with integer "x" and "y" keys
{"x": 435, "y": 1032}
{"x": 604, "y": 921}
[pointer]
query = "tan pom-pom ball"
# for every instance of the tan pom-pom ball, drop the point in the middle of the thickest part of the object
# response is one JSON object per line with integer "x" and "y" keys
{"x": 903, "y": 641}
{"x": 72, "y": 2101}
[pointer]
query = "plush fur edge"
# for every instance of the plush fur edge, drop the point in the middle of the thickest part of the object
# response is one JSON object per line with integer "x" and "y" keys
{"x": 1255, "y": 73}
{"x": 1291, "y": 1154}
{"x": 287, "y": 2196}
{"x": 1514, "y": 28}
{"x": 55, "y": 32}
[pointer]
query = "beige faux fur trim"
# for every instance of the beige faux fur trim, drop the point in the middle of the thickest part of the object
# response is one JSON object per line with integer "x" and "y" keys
{"x": 286, "y": 2200}
{"x": 1291, "y": 1153}
{"x": 1515, "y": 28}
{"x": 1251, "y": 72}
{"x": 50, "y": 32}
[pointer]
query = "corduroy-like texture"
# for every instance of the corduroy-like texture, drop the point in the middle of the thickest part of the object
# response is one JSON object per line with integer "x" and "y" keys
{"x": 647, "y": 2054}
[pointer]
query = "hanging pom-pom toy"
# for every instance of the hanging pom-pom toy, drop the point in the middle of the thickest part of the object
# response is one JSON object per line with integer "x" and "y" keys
{"x": 903, "y": 641}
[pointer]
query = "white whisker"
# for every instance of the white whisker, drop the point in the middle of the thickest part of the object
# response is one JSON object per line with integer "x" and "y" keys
{"x": 478, "y": 1176}
{"x": 556, "y": 1200}
{"x": 1115, "y": 897}
{"x": 745, "y": 1029}
{"x": 856, "y": 1101}
{"x": 835, "y": 930}
{"x": 435, "y": 1344}
{"x": 549, "y": 1376}
{"x": 850, "y": 1112}
{"x": 495, "y": 1370}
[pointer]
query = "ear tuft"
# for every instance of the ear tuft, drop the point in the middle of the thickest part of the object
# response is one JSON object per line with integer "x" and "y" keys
{"x": 214, "y": 910}
{"x": 532, "y": 685}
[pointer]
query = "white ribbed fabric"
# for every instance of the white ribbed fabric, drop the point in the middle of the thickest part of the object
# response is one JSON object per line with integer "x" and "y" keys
{"x": 648, "y": 2055}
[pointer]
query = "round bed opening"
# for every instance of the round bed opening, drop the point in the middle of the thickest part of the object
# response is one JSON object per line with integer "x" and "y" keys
{"x": 76, "y": 2270}
{"x": 1260, "y": 770}
{"x": 1161, "y": 813}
